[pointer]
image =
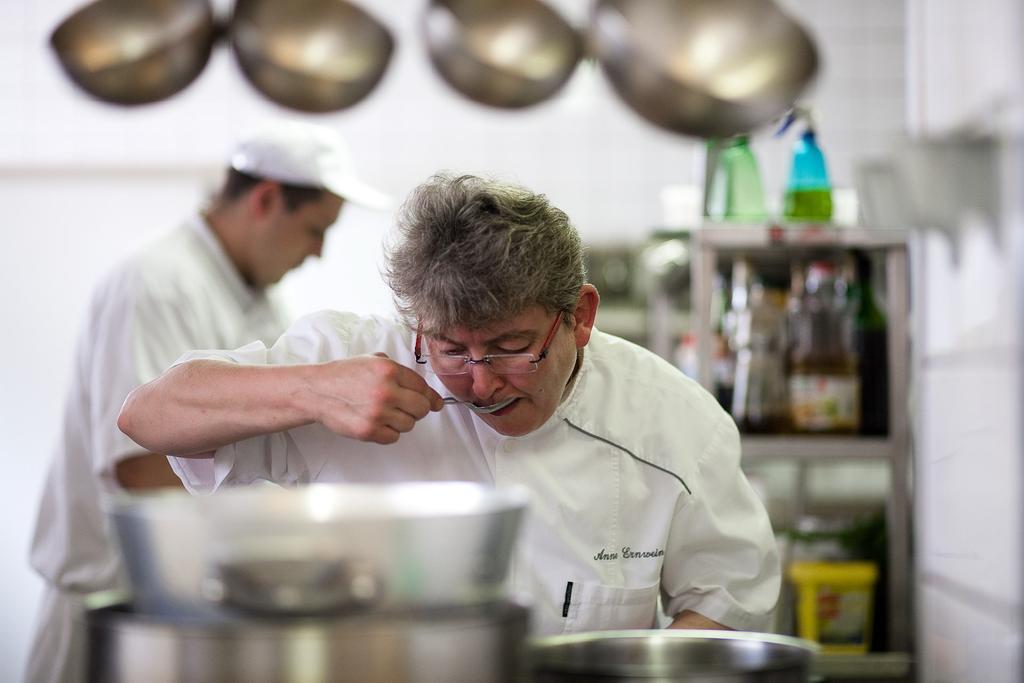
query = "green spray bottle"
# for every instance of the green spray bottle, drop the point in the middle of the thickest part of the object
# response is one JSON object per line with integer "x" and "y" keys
{"x": 735, "y": 192}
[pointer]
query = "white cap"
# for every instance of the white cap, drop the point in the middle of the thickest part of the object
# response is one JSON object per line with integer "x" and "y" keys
{"x": 305, "y": 154}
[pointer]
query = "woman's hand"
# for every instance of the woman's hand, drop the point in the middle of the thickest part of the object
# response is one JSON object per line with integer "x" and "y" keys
{"x": 370, "y": 398}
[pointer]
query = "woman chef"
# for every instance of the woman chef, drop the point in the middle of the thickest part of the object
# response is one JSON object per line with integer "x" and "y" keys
{"x": 634, "y": 469}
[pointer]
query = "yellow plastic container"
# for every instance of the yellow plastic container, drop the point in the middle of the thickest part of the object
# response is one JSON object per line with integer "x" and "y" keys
{"x": 834, "y": 604}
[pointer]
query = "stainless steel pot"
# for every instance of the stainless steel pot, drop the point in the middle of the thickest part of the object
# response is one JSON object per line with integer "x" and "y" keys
{"x": 480, "y": 644}
{"x": 320, "y": 549}
{"x": 671, "y": 655}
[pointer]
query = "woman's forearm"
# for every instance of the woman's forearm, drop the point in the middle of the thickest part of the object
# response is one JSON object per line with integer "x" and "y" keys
{"x": 197, "y": 407}
{"x": 202, "y": 405}
{"x": 692, "y": 620}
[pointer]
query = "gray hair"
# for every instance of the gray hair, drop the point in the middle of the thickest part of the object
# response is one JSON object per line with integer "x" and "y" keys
{"x": 471, "y": 252}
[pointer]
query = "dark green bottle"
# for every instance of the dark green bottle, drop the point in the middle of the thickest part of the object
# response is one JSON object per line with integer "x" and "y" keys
{"x": 872, "y": 348}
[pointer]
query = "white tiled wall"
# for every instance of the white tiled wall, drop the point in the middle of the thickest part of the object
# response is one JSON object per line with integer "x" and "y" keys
{"x": 859, "y": 100}
{"x": 969, "y": 472}
{"x": 967, "y": 646}
{"x": 62, "y": 223}
{"x": 973, "y": 52}
{"x": 969, "y": 475}
{"x": 964, "y": 58}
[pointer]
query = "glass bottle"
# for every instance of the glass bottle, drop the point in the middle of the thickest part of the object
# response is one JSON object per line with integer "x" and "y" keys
{"x": 723, "y": 362}
{"x": 824, "y": 385}
{"x": 760, "y": 403}
{"x": 736, "y": 192}
{"x": 871, "y": 346}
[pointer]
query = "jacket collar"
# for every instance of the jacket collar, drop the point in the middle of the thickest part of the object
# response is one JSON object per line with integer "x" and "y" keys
{"x": 245, "y": 295}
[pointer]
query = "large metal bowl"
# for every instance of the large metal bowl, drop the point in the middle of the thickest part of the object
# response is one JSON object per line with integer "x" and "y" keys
{"x": 703, "y": 67}
{"x": 503, "y": 53}
{"x": 671, "y": 655}
{"x": 135, "y": 51}
{"x": 310, "y": 55}
{"x": 320, "y": 549}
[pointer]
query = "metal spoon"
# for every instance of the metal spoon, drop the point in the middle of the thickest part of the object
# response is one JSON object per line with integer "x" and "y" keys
{"x": 494, "y": 407}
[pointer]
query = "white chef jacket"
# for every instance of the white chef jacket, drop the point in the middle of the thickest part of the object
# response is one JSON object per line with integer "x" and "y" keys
{"x": 182, "y": 292}
{"x": 635, "y": 481}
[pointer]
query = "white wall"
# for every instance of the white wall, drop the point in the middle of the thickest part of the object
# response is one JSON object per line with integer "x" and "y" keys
{"x": 966, "y": 61}
{"x": 82, "y": 184}
{"x": 859, "y": 99}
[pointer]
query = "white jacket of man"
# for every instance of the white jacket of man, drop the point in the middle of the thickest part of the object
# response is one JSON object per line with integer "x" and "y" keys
{"x": 636, "y": 483}
{"x": 180, "y": 293}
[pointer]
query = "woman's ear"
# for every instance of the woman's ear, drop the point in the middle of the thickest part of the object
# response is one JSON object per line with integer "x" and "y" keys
{"x": 585, "y": 313}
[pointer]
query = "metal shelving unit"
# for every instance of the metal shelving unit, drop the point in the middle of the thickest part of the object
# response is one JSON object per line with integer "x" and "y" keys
{"x": 714, "y": 245}
{"x": 817, "y": 447}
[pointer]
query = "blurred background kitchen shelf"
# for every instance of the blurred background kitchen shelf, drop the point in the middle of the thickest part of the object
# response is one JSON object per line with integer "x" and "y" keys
{"x": 839, "y": 493}
{"x": 756, "y": 447}
{"x": 645, "y": 288}
{"x": 818, "y": 486}
{"x": 674, "y": 293}
{"x": 873, "y": 667}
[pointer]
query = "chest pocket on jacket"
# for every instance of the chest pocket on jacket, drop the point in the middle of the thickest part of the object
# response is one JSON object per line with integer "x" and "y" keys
{"x": 595, "y": 607}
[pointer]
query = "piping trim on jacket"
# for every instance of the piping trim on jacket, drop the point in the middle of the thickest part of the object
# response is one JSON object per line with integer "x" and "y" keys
{"x": 630, "y": 454}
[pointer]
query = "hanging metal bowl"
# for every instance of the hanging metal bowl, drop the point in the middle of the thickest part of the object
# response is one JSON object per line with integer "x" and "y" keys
{"x": 135, "y": 51}
{"x": 310, "y": 55}
{"x": 503, "y": 53}
{"x": 708, "y": 68}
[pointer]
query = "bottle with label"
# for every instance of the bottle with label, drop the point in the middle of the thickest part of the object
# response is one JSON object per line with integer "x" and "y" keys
{"x": 735, "y": 192}
{"x": 824, "y": 384}
{"x": 808, "y": 191}
{"x": 759, "y": 401}
{"x": 871, "y": 346}
{"x": 723, "y": 361}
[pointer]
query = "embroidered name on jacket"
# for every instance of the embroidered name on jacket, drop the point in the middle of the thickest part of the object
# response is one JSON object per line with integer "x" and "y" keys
{"x": 628, "y": 553}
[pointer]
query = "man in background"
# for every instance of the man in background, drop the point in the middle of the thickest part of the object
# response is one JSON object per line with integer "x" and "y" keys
{"x": 208, "y": 284}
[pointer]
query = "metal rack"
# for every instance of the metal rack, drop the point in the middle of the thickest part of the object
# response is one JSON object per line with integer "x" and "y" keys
{"x": 715, "y": 244}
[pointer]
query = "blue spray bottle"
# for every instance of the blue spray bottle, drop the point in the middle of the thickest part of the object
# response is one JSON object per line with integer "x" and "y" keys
{"x": 808, "y": 192}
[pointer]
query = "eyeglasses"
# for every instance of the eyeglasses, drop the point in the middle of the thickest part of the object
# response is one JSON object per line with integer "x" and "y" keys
{"x": 499, "y": 363}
